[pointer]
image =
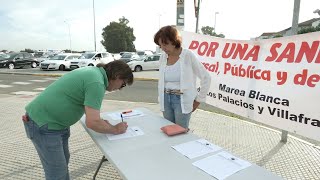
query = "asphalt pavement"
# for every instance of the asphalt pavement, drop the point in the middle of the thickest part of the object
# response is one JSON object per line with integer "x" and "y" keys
{"x": 296, "y": 159}
{"x": 143, "y": 75}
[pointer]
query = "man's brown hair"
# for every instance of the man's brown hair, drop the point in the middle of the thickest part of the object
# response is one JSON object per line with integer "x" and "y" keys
{"x": 118, "y": 69}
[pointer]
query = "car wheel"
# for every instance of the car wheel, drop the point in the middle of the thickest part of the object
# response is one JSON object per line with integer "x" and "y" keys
{"x": 62, "y": 67}
{"x": 90, "y": 65}
{"x": 138, "y": 68}
{"x": 11, "y": 66}
{"x": 33, "y": 64}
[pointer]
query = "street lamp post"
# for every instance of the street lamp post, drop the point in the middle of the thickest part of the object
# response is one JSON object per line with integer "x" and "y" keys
{"x": 197, "y": 9}
{"x": 295, "y": 17}
{"x": 94, "y": 27}
{"x": 159, "y": 20}
{"x": 215, "y": 20}
{"x": 294, "y": 31}
{"x": 69, "y": 35}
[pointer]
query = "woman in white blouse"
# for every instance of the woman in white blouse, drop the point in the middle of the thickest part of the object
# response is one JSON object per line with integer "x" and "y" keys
{"x": 179, "y": 70}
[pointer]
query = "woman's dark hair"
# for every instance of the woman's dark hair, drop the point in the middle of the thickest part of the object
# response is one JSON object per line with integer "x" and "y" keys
{"x": 166, "y": 34}
{"x": 118, "y": 69}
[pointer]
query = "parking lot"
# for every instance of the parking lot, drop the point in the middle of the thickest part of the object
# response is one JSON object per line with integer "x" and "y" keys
{"x": 150, "y": 75}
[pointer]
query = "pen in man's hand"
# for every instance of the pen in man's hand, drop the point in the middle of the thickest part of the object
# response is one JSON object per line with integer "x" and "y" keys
{"x": 121, "y": 117}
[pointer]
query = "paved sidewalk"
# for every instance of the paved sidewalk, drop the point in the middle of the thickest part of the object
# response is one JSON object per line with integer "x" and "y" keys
{"x": 296, "y": 159}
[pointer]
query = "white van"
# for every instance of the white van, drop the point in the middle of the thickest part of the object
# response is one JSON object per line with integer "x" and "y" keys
{"x": 91, "y": 59}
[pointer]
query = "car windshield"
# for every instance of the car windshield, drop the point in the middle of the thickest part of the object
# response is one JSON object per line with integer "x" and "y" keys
{"x": 126, "y": 55}
{"x": 11, "y": 55}
{"x": 4, "y": 56}
{"x": 87, "y": 56}
{"x": 58, "y": 57}
{"x": 38, "y": 54}
{"x": 47, "y": 56}
{"x": 140, "y": 53}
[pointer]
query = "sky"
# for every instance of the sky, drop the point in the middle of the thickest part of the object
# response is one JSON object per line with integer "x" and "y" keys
{"x": 45, "y": 24}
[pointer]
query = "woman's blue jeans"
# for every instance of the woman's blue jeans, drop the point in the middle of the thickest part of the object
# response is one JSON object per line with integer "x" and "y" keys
{"x": 173, "y": 112}
{"x": 52, "y": 147}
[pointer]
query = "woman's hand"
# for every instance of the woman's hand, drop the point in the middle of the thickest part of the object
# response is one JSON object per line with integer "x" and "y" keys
{"x": 195, "y": 105}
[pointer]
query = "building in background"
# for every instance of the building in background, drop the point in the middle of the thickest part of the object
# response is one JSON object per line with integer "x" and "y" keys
{"x": 286, "y": 32}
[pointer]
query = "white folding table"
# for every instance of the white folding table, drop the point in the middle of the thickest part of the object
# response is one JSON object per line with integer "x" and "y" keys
{"x": 150, "y": 156}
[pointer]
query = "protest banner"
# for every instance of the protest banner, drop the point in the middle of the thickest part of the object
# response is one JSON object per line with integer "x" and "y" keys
{"x": 273, "y": 81}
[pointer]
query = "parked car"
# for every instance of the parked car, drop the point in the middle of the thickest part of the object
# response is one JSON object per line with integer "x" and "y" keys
{"x": 18, "y": 60}
{"x": 38, "y": 54}
{"x": 91, "y": 59}
{"x": 147, "y": 63}
{"x": 123, "y": 52}
{"x": 116, "y": 56}
{"x": 45, "y": 57}
{"x": 144, "y": 53}
{"x": 59, "y": 62}
{"x": 127, "y": 57}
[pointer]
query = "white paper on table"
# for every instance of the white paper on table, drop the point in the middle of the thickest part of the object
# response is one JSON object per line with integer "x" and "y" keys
{"x": 221, "y": 165}
{"x": 196, "y": 148}
{"x": 131, "y": 132}
{"x": 117, "y": 115}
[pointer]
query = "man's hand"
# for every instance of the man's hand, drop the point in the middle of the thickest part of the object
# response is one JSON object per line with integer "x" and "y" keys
{"x": 195, "y": 105}
{"x": 94, "y": 122}
{"x": 120, "y": 128}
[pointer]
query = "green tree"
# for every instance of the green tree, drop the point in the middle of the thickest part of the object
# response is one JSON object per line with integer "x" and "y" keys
{"x": 68, "y": 51}
{"x": 207, "y": 30}
{"x": 318, "y": 27}
{"x": 306, "y": 30}
{"x": 309, "y": 29}
{"x": 277, "y": 36}
{"x": 27, "y": 50}
{"x": 118, "y": 36}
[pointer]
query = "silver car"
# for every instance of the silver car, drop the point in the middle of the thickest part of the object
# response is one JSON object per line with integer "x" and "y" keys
{"x": 146, "y": 63}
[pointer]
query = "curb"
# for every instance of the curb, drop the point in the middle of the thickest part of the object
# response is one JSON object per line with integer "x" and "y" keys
{"x": 59, "y": 75}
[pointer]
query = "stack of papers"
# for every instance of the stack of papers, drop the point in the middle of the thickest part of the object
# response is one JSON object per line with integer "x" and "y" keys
{"x": 196, "y": 148}
{"x": 221, "y": 165}
{"x": 132, "y": 113}
{"x": 131, "y": 132}
{"x": 127, "y": 115}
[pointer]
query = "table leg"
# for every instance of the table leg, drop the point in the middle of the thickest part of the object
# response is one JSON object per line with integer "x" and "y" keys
{"x": 102, "y": 160}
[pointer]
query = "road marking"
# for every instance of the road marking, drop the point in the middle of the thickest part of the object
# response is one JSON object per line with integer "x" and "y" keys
{"x": 39, "y": 89}
{"x": 5, "y": 86}
{"x": 52, "y": 79}
{"x": 25, "y": 93}
{"x": 21, "y": 83}
{"x": 38, "y": 80}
